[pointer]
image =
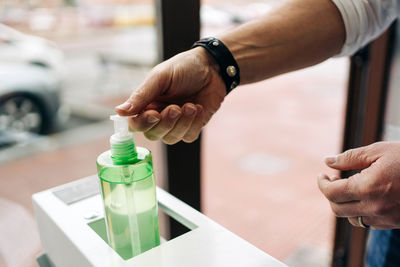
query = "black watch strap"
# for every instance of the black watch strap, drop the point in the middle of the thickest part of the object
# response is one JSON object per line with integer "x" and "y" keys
{"x": 229, "y": 69}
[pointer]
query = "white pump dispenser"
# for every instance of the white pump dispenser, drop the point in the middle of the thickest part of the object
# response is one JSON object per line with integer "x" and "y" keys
{"x": 123, "y": 147}
{"x": 121, "y": 129}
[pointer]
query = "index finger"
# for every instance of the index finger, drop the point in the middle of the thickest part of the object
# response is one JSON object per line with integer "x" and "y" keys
{"x": 144, "y": 121}
{"x": 340, "y": 190}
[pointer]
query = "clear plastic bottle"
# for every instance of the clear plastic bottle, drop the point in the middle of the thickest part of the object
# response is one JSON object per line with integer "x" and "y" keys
{"x": 129, "y": 194}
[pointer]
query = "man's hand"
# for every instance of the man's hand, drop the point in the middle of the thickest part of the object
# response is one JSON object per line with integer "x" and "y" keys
{"x": 373, "y": 193}
{"x": 177, "y": 99}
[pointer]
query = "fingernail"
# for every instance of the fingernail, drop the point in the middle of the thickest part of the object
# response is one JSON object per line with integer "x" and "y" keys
{"x": 330, "y": 160}
{"x": 152, "y": 119}
{"x": 173, "y": 113}
{"x": 189, "y": 111}
{"x": 125, "y": 106}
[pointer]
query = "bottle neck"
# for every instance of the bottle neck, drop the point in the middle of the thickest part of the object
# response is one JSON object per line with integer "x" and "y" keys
{"x": 123, "y": 150}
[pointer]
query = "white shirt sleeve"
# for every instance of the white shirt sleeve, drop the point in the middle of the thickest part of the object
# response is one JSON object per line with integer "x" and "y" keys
{"x": 365, "y": 20}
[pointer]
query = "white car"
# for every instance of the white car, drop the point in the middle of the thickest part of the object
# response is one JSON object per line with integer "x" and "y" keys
{"x": 22, "y": 48}
{"x": 31, "y": 78}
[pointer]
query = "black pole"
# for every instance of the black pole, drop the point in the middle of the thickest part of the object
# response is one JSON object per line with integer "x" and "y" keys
{"x": 178, "y": 27}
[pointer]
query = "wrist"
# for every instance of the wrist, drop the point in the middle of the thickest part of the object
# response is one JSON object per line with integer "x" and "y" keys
{"x": 210, "y": 71}
{"x": 228, "y": 68}
{"x": 206, "y": 59}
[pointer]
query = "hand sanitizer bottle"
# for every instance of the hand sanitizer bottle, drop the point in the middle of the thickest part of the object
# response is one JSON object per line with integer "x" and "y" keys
{"x": 129, "y": 193}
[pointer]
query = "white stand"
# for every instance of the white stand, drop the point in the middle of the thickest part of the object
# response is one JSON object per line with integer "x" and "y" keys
{"x": 65, "y": 213}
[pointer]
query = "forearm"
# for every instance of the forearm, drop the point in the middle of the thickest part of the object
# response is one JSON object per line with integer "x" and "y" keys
{"x": 297, "y": 34}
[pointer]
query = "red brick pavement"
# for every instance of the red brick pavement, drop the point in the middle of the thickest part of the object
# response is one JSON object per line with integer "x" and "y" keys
{"x": 295, "y": 117}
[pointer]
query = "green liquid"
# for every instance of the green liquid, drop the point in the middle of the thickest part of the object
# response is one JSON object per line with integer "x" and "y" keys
{"x": 130, "y": 204}
{"x": 148, "y": 236}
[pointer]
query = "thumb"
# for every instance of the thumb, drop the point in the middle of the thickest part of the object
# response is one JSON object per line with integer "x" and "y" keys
{"x": 154, "y": 85}
{"x": 353, "y": 159}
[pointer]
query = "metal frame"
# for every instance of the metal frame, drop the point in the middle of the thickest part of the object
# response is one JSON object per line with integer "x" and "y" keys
{"x": 366, "y": 102}
{"x": 178, "y": 28}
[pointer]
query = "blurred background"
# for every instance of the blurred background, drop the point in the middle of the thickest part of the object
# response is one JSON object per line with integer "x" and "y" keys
{"x": 64, "y": 65}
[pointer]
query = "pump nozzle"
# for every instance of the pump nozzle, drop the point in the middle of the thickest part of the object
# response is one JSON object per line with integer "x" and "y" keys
{"x": 123, "y": 147}
{"x": 121, "y": 127}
